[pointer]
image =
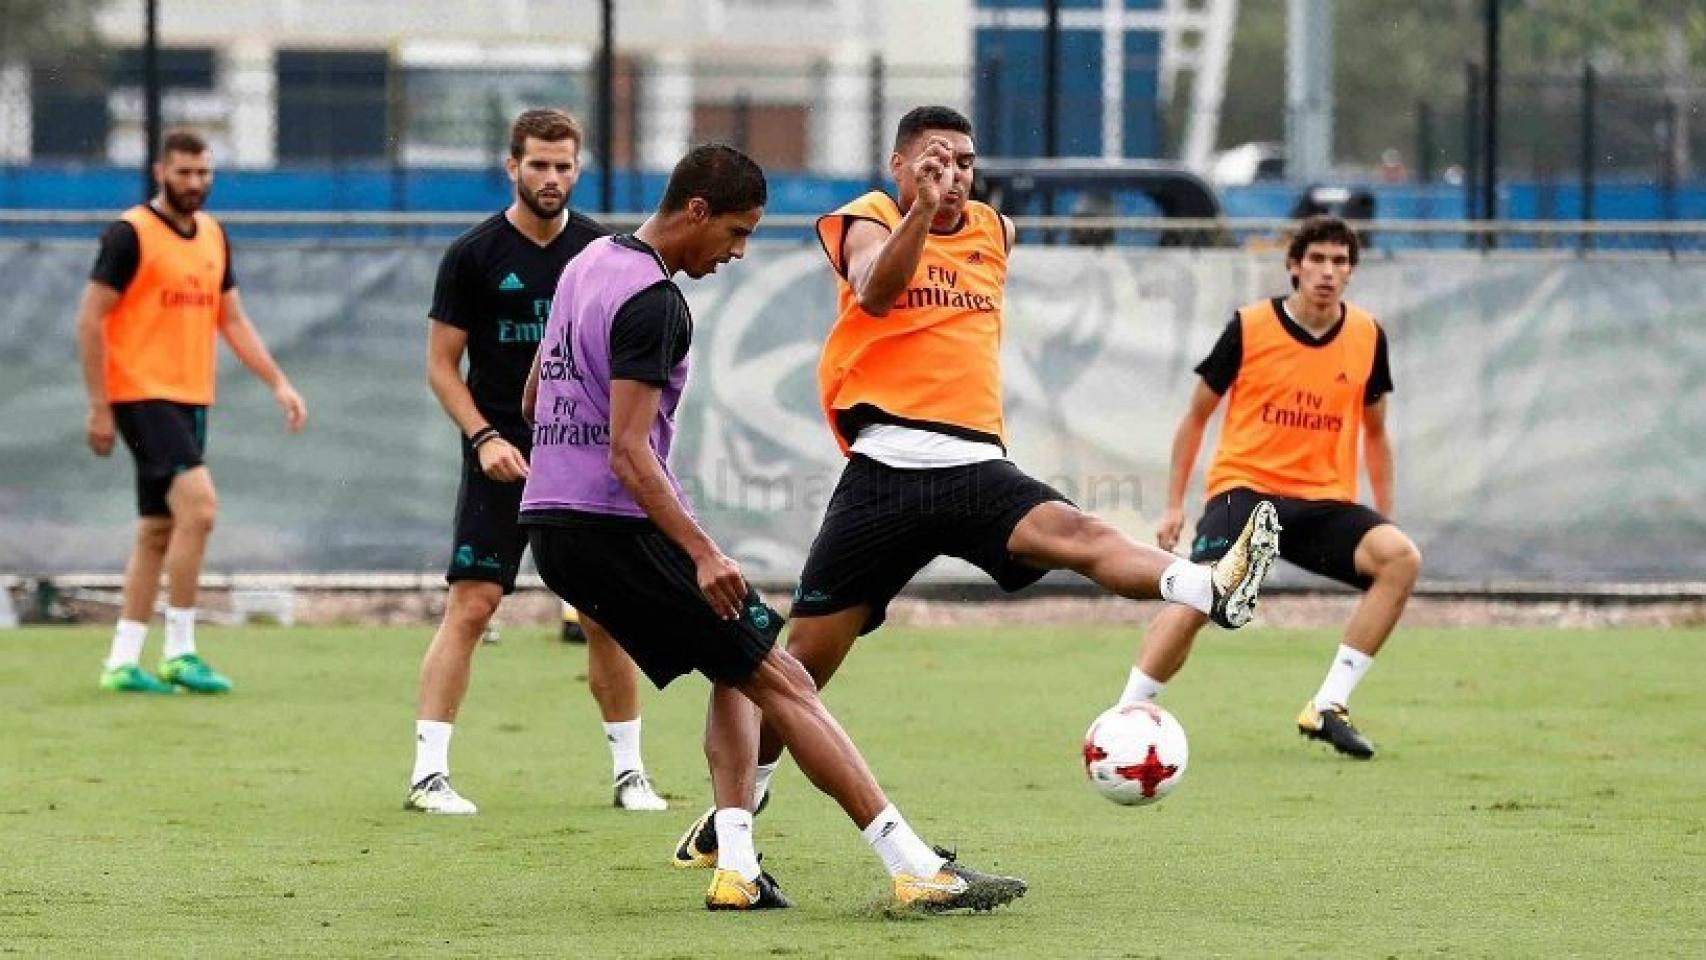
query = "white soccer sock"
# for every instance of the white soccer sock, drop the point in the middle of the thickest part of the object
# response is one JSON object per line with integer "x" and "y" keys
{"x": 624, "y": 740}
{"x": 180, "y": 631}
{"x": 1140, "y": 687}
{"x": 432, "y": 749}
{"x": 1349, "y": 665}
{"x": 901, "y": 850}
{"x": 734, "y": 842}
{"x": 761, "y": 781}
{"x": 1191, "y": 584}
{"x": 126, "y": 650}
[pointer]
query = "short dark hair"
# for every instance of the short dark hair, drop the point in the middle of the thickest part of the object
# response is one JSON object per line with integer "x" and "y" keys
{"x": 551, "y": 126}
{"x": 1322, "y": 229}
{"x": 920, "y": 119}
{"x": 726, "y": 179}
{"x": 182, "y": 141}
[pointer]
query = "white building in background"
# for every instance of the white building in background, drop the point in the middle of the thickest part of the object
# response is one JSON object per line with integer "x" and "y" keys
{"x": 412, "y": 81}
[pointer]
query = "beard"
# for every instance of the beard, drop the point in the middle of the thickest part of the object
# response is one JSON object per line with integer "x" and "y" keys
{"x": 183, "y": 202}
{"x": 545, "y": 209}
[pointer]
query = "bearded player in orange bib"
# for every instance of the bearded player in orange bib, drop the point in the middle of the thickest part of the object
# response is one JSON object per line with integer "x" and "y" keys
{"x": 910, "y": 380}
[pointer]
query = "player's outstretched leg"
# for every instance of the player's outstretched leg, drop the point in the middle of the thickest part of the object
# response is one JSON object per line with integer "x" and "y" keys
{"x": 1059, "y": 536}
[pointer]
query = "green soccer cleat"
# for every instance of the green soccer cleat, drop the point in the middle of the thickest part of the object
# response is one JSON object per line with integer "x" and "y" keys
{"x": 192, "y": 673}
{"x": 131, "y": 678}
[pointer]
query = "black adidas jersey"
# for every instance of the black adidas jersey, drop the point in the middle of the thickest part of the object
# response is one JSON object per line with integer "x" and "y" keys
{"x": 496, "y": 284}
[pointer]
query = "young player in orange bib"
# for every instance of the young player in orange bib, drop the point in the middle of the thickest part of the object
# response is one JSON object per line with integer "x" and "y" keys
{"x": 1306, "y": 380}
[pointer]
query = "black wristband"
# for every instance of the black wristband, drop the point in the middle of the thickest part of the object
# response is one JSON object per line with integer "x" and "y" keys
{"x": 482, "y": 435}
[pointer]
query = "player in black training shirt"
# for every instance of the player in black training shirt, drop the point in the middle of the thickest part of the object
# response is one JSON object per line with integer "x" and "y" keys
{"x": 493, "y": 294}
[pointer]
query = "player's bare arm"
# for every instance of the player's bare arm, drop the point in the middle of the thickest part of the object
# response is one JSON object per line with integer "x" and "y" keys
{"x": 98, "y": 301}
{"x": 880, "y": 263}
{"x": 445, "y": 345}
{"x": 1377, "y": 451}
{"x": 234, "y": 325}
{"x": 633, "y": 410}
{"x": 1187, "y": 440}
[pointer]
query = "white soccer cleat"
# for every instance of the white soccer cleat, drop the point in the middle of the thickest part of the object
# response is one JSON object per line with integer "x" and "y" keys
{"x": 635, "y": 792}
{"x": 1238, "y": 576}
{"x": 436, "y": 795}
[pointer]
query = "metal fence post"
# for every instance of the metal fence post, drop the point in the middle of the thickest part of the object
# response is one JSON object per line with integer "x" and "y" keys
{"x": 879, "y": 155}
{"x": 1590, "y": 149}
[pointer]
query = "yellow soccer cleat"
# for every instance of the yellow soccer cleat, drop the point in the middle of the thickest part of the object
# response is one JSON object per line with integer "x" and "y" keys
{"x": 955, "y": 887}
{"x": 1239, "y": 574}
{"x": 697, "y": 848}
{"x": 729, "y": 892}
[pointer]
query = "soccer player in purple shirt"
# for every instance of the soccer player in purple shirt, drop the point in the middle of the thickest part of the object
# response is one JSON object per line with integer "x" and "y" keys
{"x": 613, "y": 534}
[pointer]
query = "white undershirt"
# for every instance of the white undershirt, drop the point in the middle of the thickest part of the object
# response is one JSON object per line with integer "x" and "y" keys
{"x": 908, "y": 448}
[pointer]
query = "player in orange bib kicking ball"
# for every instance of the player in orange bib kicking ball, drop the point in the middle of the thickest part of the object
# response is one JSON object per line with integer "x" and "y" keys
{"x": 161, "y": 288}
{"x": 1306, "y": 381}
{"x": 910, "y": 380}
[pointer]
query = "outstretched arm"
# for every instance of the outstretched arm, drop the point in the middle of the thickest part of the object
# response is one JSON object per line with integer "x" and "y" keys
{"x": 246, "y": 344}
{"x": 98, "y": 301}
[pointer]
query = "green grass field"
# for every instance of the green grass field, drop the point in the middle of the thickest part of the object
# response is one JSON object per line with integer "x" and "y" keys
{"x": 1537, "y": 794}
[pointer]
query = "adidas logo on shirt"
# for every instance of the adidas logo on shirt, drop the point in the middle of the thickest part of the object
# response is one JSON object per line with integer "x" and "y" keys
{"x": 512, "y": 282}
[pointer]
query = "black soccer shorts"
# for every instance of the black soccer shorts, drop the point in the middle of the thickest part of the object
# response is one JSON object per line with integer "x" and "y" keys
{"x": 884, "y": 524}
{"x": 643, "y": 589}
{"x": 165, "y": 438}
{"x": 1320, "y": 536}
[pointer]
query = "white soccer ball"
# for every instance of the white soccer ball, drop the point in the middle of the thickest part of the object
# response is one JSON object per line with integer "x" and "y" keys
{"x": 1135, "y": 754}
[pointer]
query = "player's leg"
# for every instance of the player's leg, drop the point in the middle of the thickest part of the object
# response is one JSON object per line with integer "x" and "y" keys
{"x": 444, "y": 676}
{"x": 731, "y": 749}
{"x": 1393, "y": 562}
{"x": 612, "y": 678}
{"x": 820, "y": 644}
{"x": 1168, "y": 641}
{"x": 1355, "y": 545}
{"x": 165, "y": 441}
{"x": 1166, "y": 646}
{"x": 122, "y": 670}
{"x": 485, "y": 558}
{"x": 1057, "y": 535}
{"x": 1386, "y": 563}
{"x": 195, "y": 507}
{"x": 571, "y": 630}
{"x": 873, "y": 540}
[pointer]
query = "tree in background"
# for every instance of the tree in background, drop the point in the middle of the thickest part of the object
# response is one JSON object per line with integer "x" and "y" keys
{"x": 28, "y": 27}
{"x": 1390, "y": 56}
